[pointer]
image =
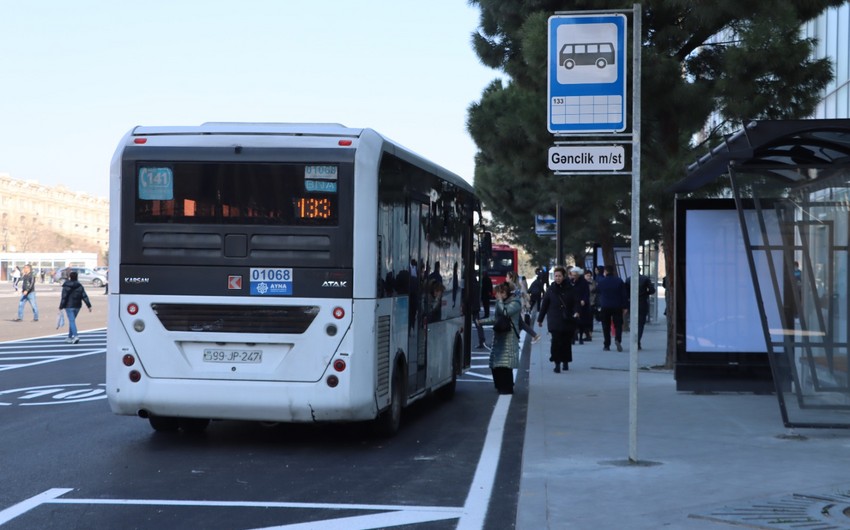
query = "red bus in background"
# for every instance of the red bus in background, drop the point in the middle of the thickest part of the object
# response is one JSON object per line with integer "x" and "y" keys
{"x": 504, "y": 260}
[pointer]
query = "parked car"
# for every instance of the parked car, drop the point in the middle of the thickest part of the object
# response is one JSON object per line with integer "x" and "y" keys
{"x": 84, "y": 275}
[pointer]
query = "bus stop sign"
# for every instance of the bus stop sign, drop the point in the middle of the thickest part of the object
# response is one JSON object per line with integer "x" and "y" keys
{"x": 587, "y": 74}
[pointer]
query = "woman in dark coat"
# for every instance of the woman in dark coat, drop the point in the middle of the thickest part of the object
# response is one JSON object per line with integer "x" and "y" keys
{"x": 582, "y": 292}
{"x": 560, "y": 307}
{"x": 594, "y": 304}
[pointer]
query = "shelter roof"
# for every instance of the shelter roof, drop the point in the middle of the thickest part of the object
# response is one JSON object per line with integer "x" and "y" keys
{"x": 784, "y": 148}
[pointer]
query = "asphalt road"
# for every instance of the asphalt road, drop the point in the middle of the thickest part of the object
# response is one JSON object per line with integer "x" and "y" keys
{"x": 68, "y": 462}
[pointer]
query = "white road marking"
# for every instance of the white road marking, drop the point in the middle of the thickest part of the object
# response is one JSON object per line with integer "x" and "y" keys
{"x": 255, "y": 504}
{"x": 33, "y": 502}
{"x": 45, "y": 360}
{"x": 369, "y": 522}
{"x": 391, "y": 515}
{"x": 482, "y": 376}
{"x": 475, "y": 507}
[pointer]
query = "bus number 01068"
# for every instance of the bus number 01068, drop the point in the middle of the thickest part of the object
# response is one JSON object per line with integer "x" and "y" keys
{"x": 271, "y": 275}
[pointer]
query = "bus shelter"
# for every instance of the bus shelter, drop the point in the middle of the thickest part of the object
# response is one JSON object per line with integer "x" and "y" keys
{"x": 791, "y": 185}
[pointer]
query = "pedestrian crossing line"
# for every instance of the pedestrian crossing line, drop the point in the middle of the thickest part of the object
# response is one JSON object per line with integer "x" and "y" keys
{"x": 481, "y": 376}
{"x": 51, "y": 359}
{"x": 30, "y": 357}
{"x": 388, "y": 515}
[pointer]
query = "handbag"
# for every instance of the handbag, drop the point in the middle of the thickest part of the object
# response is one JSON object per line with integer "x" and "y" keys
{"x": 502, "y": 324}
{"x": 60, "y": 319}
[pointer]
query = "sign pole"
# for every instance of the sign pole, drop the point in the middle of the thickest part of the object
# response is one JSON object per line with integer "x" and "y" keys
{"x": 635, "y": 281}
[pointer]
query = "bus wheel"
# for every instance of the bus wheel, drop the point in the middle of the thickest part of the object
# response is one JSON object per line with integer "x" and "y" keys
{"x": 601, "y": 63}
{"x": 388, "y": 421}
{"x": 164, "y": 423}
{"x": 569, "y": 63}
{"x": 194, "y": 425}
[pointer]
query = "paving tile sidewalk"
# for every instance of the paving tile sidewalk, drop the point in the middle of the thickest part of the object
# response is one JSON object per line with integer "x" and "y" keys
{"x": 703, "y": 460}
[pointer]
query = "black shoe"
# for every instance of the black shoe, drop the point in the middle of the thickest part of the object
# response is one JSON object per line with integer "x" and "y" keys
{"x": 566, "y": 366}
{"x": 557, "y": 368}
{"x": 35, "y": 320}
{"x": 606, "y": 348}
{"x": 619, "y": 347}
{"x": 581, "y": 341}
{"x": 639, "y": 346}
{"x": 551, "y": 359}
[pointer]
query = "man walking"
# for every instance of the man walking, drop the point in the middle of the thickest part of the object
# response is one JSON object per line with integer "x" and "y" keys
{"x": 645, "y": 290}
{"x": 27, "y": 294}
{"x": 486, "y": 293}
{"x": 73, "y": 296}
{"x": 610, "y": 293}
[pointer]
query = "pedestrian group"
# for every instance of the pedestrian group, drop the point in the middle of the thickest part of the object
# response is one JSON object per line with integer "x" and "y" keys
{"x": 569, "y": 306}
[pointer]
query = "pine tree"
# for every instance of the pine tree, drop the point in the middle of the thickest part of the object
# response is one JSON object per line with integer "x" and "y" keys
{"x": 711, "y": 64}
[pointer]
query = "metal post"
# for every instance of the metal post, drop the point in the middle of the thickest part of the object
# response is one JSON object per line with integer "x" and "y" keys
{"x": 633, "y": 307}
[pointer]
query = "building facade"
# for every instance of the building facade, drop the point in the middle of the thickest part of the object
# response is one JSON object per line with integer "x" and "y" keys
{"x": 39, "y": 218}
{"x": 832, "y": 31}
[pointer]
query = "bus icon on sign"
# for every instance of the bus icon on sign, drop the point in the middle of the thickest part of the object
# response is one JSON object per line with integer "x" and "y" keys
{"x": 599, "y": 53}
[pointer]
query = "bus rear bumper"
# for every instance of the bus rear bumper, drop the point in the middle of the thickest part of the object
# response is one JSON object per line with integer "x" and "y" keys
{"x": 242, "y": 400}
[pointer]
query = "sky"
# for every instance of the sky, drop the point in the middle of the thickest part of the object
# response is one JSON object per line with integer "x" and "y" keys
{"x": 76, "y": 76}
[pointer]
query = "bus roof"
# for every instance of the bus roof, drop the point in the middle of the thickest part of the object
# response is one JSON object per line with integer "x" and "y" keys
{"x": 300, "y": 129}
{"x": 231, "y": 128}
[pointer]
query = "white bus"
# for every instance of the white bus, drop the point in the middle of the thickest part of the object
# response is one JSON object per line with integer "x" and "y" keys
{"x": 283, "y": 273}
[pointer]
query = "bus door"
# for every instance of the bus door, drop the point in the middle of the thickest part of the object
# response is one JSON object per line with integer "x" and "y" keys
{"x": 417, "y": 337}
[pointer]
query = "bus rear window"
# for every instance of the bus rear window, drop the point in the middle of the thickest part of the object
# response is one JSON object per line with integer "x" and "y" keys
{"x": 230, "y": 193}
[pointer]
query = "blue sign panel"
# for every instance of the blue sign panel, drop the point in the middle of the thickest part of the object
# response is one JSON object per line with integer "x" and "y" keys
{"x": 587, "y": 74}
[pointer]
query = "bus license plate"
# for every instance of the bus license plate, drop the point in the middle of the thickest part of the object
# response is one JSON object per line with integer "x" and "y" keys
{"x": 215, "y": 355}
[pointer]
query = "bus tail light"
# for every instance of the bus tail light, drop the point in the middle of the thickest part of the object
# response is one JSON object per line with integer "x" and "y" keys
{"x": 128, "y": 360}
{"x": 339, "y": 313}
{"x": 332, "y": 381}
{"x": 135, "y": 376}
{"x": 345, "y": 142}
{"x": 339, "y": 365}
{"x": 132, "y": 309}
